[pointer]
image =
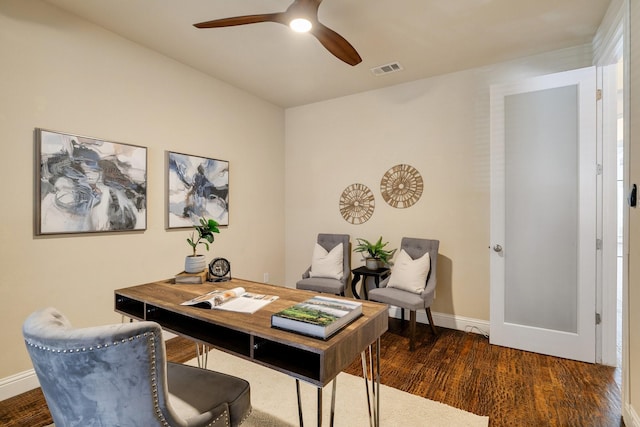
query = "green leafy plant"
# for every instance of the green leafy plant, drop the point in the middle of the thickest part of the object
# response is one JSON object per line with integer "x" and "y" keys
{"x": 205, "y": 234}
{"x": 375, "y": 250}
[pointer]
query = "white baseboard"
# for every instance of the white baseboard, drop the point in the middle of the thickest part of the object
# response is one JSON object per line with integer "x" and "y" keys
{"x": 448, "y": 321}
{"x": 18, "y": 384}
{"x": 27, "y": 380}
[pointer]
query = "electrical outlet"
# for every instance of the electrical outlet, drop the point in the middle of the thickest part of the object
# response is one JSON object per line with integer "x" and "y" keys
{"x": 266, "y": 278}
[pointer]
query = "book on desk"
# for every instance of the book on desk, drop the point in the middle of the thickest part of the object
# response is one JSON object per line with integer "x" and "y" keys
{"x": 236, "y": 299}
{"x": 193, "y": 278}
{"x": 319, "y": 317}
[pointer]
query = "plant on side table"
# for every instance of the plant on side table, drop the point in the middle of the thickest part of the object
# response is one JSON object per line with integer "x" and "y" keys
{"x": 196, "y": 263}
{"x": 377, "y": 256}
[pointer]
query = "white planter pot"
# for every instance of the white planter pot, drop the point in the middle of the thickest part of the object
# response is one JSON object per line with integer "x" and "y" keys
{"x": 195, "y": 264}
{"x": 372, "y": 263}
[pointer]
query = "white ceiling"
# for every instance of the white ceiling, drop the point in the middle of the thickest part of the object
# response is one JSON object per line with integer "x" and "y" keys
{"x": 427, "y": 37}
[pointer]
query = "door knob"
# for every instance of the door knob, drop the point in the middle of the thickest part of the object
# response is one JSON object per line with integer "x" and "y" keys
{"x": 497, "y": 248}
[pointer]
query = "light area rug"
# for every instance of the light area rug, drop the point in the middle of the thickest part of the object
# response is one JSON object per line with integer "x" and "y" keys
{"x": 274, "y": 401}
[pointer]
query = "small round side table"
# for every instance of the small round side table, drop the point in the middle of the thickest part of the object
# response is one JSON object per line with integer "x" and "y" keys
{"x": 364, "y": 272}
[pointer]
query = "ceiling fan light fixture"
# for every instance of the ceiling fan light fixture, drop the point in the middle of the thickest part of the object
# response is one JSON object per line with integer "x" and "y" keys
{"x": 300, "y": 25}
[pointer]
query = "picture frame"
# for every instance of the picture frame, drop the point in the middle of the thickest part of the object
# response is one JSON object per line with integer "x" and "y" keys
{"x": 197, "y": 187}
{"x": 88, "y": 185}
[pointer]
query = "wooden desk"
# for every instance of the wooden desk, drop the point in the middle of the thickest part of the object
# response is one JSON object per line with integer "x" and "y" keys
{"x": 250, "y": 336}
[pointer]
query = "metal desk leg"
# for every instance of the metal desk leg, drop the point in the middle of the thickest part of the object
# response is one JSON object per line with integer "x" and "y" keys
{"x": 365, "y": 375}
{"x": 333, "y": 401}
{"x": 373, "y": 371}
{"x": 299, "y": 403}
{"x": 202, "y": 355}
{"x": 319, "y": 414}
{"x": 377, "y": 412}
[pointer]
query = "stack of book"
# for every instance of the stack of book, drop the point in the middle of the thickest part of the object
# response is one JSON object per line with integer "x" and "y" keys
{"x": 185, "y": 277}
{"x": 319, "y": 317}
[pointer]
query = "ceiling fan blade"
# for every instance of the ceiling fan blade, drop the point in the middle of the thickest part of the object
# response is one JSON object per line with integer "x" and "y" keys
{"x": 336, "y": 44}
{"x": 332, "y": 41}
{"x": 243, "y": 20}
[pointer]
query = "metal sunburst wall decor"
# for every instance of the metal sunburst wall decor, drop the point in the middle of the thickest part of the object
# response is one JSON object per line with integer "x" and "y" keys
{"x": 401, "y": 186}
{"x": 357, "y": 203}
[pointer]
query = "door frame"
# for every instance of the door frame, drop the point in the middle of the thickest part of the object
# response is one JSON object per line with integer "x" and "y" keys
{"x": 609, "y": 47}
{"x": 606, "y": 302}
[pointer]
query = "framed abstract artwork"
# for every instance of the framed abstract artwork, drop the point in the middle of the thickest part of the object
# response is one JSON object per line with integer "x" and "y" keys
{"x": 88, "y": 185}
{"x": 197, "y": 187}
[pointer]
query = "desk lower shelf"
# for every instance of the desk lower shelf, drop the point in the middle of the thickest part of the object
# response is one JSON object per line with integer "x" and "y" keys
{"x": 294, "y": 361}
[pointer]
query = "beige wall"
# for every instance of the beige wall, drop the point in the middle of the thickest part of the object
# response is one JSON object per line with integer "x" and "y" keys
{"x": 632, "y": 377}
{"x": 440, "y": 126}
{"x": 61, "y": 73}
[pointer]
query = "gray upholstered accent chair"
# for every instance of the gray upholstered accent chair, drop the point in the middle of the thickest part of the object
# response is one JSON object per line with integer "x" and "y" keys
{"x": 411, "y": 301}
{"x": 117, "y": 375}
{"x": 324, "y": 284}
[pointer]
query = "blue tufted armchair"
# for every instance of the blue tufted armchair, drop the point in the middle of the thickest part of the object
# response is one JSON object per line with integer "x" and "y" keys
{"x": 117, "y": 375}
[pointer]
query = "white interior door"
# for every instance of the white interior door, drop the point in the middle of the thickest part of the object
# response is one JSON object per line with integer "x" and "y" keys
{"x": 543, "y": 214}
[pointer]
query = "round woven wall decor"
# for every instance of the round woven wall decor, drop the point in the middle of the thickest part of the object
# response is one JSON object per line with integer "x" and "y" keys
{"x": 401, "y": 186}
{"x": 357, "y": 203}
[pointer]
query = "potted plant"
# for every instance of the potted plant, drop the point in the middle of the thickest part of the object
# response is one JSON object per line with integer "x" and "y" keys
{"x": 196, "y": 263}
{"x": 377, "y": 256}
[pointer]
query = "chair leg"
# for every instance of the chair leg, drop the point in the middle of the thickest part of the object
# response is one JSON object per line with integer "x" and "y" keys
{"x": 402, "y": 315}
{"x": 412, "y": 329}
{"x": 433, "y": 327}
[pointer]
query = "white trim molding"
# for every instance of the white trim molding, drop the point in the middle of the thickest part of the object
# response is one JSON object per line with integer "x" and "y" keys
{"x": 18, "y": 384}
{"x": 449, "y": 321}
{"x": 608, "y": 41}
{"x": 630, "y": 416}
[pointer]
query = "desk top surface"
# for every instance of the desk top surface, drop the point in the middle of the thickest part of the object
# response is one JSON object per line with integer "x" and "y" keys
{"x": 169, "y": 296}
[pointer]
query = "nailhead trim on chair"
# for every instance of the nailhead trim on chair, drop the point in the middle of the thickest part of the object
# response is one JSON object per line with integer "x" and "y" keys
{"x": 247, "y": 416}
{"x": 83, "y": 349}
{"x": 225, "y": 414}
{"x": 154, "y": 385}
{"x": 154, "y": 390}
{"x": 153, "y": 372}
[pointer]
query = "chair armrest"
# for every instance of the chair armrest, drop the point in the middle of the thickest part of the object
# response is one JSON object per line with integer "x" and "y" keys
{"x": 306, "y": 274}
{"x": 384, "y": 282}
{"x": 428, "y": 293}
{"x": 431, "y": 285}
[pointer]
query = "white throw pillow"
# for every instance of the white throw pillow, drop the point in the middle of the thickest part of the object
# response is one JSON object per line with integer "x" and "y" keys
{"x": 327, "y": 264}
{"x": 409, "y": 274}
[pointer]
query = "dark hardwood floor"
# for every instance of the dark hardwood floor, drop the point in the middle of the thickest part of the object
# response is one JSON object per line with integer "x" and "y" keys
{"x": 512, "y": 387}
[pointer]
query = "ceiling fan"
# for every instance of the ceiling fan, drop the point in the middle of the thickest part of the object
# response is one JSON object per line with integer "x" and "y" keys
{"x": 305, "y": 14}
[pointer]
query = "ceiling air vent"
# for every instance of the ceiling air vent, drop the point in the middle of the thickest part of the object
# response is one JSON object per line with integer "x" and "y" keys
{"x": 387, "y": 68}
